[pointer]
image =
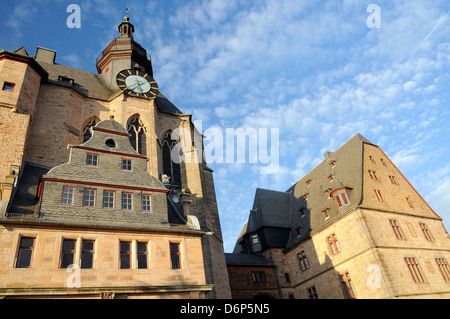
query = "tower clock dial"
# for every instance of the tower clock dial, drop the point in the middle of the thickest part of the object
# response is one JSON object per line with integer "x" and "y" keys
{"x": 138, "y": 83}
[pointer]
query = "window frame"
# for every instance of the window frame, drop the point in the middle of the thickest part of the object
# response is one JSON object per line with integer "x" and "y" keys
{"x": 145, "y": 254}
{"x": 415, "y": 269}
{"x": 125, "y": 253}
{"x": 397, "y": 229}
{"x": 107, "y": 199}
{"x": 348, "y": 285}
{"x": 92, "y": 158}
{"x": 84, "y": 251}
{"x": 176, "y": 255}
{"x": 129, "y": 163}
{"x": 144, "y": 202}
{"x": 443, "y": 267}
{"x": 303, "y": 262}
{"x": 131, "y": 199}
{"x": 72, "y": 188}
{"x": 90, "y": 200}
{"x": 426, "y": 232}
{"x": 379, "y": 195}
{"x": 8, "y": 87}
{"x": 333, "y": 244}
{"x": 312, "y": 292}
{"x": 70, "y": 252}
{"x": 22, "y": 249}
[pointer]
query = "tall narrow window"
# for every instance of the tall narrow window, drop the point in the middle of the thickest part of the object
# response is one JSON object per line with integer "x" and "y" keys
{"x": 138, "y": 134}
{"x": 408, "y": 200}
{"x": 426, "y": 232}
{"x": 142, "y": 255}
{"x": 312, "y": 293}
{"x": 108, "y": 199}
{"x": 171, "y": 165}
{"x": 67, "y": 196}
{"x": 379, "y": 196}
{"x": 443, "y": 267}
{"x": 414, "y": 268}
{"x": 347, "y": 286}
{"x": 125, "y": 255}
{"x": 333, "y": 244}
{"x": 397, "y": 230}
{"x": 373, "y": 175}
{"x": 127, "y": 201}
{"x": 303, "y": 261}
{"x": 338, "y": 201}
{"x": 68, "y": 253}
{"x": 146, "y": 202}
{"x": 89, "y": 197}
{"x": 344, "y": 198}
{"x": 86, "y": 133}
{"x": 25, "y": 252}
{"x": 175, "y": 256}
{"x": 87, "y": 254}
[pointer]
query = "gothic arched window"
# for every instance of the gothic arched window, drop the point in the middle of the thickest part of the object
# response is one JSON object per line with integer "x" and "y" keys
{"x": 87, "y": 133}
{"x": 138, "y": 134}
{"x": 170, "y": 168}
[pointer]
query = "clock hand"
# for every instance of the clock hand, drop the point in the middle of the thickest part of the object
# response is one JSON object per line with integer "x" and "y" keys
{"x": 139, "y": 86}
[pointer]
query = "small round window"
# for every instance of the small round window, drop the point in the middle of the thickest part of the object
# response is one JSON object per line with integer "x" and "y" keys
{"x": 110, "y": 143}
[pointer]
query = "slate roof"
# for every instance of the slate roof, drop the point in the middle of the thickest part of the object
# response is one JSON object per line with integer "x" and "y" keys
{"x": 303, "y": 214}
{"x": 25, "y": 197}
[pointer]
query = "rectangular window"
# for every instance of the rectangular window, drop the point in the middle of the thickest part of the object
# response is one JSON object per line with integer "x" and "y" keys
{"x": 347, "y": 286}
{"x": 68, "y": 252}
{"x": 87, "y": 254}
{"x": 8, "y": 87}
{"x": 91, "y": 159}
{"x": 146, "y": 202}
{"x": 379, "y": 196}
{"x": 393, "y": 180}
{"x": 312, "y": 293}
{"x": 142, "y": 255}
{"x": 344, "y": 198}
{"x": 258, "y": 276}
{"x": 443, "y": 266}
{"x": 175, "y": 256}
{"x": 108, "y": 199}
{"x": 373, "y": 175}
{"x": 89, "y": 197}
{"x": 408, "y": 200}
{"x": 25, "y": 252}
{"x": 334, "y": 244}
{"x": 383, "y": 162}
{"x": 125, "y": 255}
{"x": 414, "y": 268}
{"x": 325, "y": 213}
{"x": 303, "y": 261}
{"x": 127, "y": 201}
{"x": 338, "y": 201}
{"x": 397, "y": 230}
{"x": 426, "y": 231}
{"x": 67, "y": 196}
{"x": 126, "y": 164}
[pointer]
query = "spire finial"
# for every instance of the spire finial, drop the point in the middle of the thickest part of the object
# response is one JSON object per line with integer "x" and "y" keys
{"x": 126, "y": 18}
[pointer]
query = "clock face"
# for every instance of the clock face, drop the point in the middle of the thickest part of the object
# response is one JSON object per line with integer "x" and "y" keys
{"x": 138, "y": 83}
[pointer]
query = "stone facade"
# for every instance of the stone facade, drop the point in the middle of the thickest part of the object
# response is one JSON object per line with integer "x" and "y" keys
{"x": 353, "y": 227}
{"x": 53, "y": 106}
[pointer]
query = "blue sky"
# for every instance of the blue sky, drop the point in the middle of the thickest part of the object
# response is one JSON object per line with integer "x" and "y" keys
{"x": 313, "y": 69}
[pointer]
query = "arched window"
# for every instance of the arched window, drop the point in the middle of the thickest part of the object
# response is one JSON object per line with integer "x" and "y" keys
{"x": 138, "y": 134}
{"x": 170, "y": 168}
{"x": 86, "y": 133}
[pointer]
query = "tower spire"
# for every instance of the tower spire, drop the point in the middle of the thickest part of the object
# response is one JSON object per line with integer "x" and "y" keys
{"x": 126, "y": 29}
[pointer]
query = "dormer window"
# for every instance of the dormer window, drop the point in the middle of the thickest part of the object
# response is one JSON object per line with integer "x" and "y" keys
{"x": 308, "y": 183}
{"x": 341, "y": 198}
{"x": 65, "y": 80}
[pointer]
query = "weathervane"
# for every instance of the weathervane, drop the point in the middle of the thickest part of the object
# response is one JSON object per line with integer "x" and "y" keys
{"x": 126, "y": 18}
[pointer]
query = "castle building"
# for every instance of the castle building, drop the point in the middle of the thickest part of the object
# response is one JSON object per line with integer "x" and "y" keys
{"x": 353, "y": 227}
{"x": 90, "y": 189}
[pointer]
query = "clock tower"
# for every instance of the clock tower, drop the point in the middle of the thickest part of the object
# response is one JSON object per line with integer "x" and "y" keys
{"x": 123, "y": 54}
